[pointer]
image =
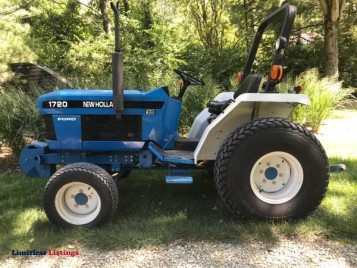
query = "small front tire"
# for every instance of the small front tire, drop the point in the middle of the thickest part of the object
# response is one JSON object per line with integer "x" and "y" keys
{"x": 80, "y": 194}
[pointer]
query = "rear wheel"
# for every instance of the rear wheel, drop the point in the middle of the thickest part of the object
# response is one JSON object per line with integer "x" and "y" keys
{"x": 80, "y": 194}
{"x": 271, "y": 169}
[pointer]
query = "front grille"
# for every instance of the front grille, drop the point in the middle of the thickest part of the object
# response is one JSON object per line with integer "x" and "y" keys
{"x": 49, "y": 128}
{"x": 109, "y": 128}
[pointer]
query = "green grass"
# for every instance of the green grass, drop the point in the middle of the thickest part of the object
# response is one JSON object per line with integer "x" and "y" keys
{"x": 151, "y": 212}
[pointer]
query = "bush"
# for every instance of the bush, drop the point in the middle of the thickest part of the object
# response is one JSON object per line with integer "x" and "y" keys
{"x": 194, "y": 101}
{"x": 19, "y": 118}
{"x": 325, "y": 95}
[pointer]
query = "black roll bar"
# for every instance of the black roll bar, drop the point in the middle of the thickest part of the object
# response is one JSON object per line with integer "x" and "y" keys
{"x": 286, "y": 11}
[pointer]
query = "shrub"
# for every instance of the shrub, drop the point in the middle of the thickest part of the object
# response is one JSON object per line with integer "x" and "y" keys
{"x": 194, "y": 101}
{"x": 19, "y": 118}
{"x": 325, "y": 95}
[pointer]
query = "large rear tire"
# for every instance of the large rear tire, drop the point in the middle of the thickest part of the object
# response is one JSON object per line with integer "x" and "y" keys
{"x": 80, "y": 194}
{"x": 271, "y": 169}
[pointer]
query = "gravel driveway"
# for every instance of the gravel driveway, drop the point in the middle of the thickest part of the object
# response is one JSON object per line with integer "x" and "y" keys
{"x": 285, "y": 253}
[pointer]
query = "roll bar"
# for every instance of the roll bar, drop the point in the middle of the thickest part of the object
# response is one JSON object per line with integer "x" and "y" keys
{"x": 287, "y": 13}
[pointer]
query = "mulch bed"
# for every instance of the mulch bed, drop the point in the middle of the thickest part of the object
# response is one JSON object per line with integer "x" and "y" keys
{"x": 8, "y": 162}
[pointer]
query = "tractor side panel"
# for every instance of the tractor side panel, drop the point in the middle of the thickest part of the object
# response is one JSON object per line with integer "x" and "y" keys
{"x": 162, "y": 127}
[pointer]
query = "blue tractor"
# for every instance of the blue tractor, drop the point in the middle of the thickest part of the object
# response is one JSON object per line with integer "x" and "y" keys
{"x": 265, "y": 166}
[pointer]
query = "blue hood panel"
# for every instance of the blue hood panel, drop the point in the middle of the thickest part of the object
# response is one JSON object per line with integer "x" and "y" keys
{"x": 84, "y": 120}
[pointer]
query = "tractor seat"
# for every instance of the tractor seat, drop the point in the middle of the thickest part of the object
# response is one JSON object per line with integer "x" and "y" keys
{"x": 216, "y": 107}
{"x": 250, "y": 84}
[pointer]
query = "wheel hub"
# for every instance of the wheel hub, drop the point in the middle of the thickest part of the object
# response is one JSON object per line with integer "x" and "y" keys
{"x": 276, "y": 177}
{"x": 272, "y": 174}
{"x": 78, "y": 202}
{"x": 81, "y": 199}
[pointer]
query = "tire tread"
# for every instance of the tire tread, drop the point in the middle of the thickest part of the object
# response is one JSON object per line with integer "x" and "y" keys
{"x": 239, "y": 136}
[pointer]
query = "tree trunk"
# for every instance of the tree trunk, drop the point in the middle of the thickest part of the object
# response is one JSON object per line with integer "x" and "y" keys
{"x": 103, "y": 4}
{"x": 332, "y": 10}
{"x": 148, "y": 23}
{"x": 331, "y": 48}
{"x": 126, "y": 7}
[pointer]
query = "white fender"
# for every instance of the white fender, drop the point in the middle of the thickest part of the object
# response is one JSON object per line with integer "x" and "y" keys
{"x": 245, "y": 108}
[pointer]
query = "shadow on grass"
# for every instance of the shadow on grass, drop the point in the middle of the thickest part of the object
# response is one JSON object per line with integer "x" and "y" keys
{"x": 151, "y": 212}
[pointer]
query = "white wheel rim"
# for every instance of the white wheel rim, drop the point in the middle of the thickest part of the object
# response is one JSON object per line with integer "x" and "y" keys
{"x": 77, "y": 203}
{"x": 276, "y": 177}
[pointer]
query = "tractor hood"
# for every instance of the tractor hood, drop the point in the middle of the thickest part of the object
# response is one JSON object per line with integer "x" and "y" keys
{"x": 98, "y": 101}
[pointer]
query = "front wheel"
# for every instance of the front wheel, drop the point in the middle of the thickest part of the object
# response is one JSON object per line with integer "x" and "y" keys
{"x": 80, "y": 194}
{"x": 271, "y": 169}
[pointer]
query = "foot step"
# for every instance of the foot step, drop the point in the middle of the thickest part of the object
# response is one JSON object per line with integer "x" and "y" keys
{"x": 179, "y": 176}
{"x": 178, "y": 179}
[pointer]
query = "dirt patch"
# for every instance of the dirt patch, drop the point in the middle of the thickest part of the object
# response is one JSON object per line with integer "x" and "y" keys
{"x": 8, "y": 162}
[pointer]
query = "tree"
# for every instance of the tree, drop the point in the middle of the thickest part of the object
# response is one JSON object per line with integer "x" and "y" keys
{"x": 348, "y": 43}
{"x": 103, "y": 4}
{"x": 332, "y": 10}
{"x": 14, "y": 35}
{"x": 209, "y": 19}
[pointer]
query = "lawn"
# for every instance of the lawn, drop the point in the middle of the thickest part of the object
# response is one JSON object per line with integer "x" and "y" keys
{"x": 151, "y": 212}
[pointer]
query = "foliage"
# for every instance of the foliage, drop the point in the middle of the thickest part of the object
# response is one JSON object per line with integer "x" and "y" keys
{"x": 324, "y": 93}
{"x": 90, "y": 62}
{"x": 55, "y": 28}
{"x": 194, "y": 101}
{"x": 19, "y": 118}
{"x": 15, "y": 38}
{"x": 348, "y": 44}
{"x": 210, "y": 37}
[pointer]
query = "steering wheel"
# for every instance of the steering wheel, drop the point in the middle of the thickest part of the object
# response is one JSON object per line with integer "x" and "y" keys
{"x": 189, "y": 79}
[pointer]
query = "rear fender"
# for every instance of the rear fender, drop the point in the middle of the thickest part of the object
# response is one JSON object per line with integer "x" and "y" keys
{"x": 245, "y": 108}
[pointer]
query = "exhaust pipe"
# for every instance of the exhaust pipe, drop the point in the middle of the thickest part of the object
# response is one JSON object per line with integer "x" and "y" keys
{"x": 117, "y": 67}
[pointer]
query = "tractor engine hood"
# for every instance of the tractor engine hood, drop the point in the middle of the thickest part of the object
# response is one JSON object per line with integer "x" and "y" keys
{"x": 98, "y": 101}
